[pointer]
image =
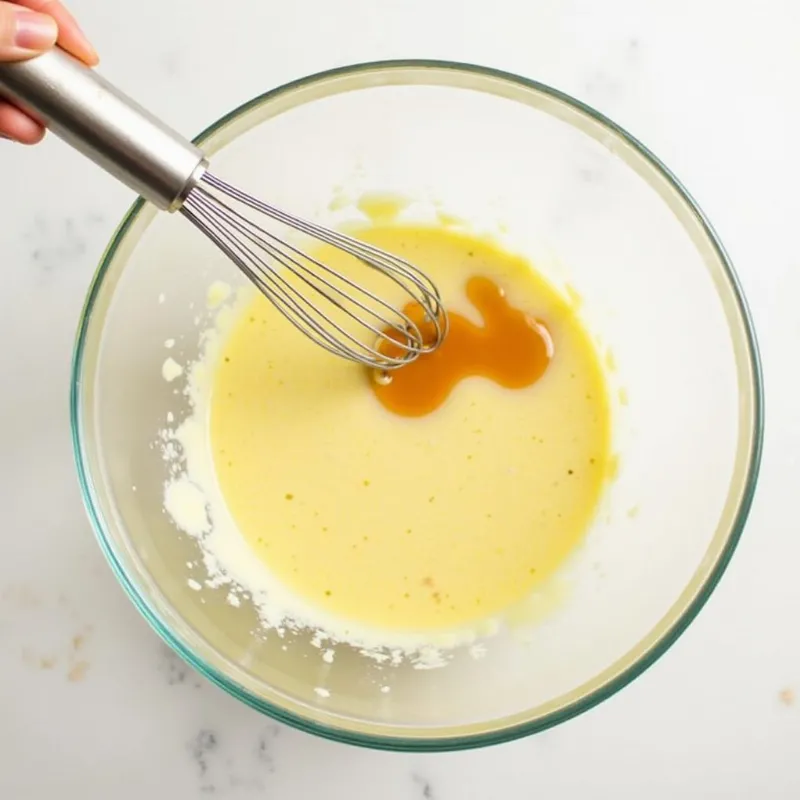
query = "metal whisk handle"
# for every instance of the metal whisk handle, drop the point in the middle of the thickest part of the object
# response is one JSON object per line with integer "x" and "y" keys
{"x": 94, "y": 117}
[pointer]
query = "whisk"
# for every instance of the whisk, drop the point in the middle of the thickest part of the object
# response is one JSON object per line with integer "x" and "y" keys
{"x": 337, "y": 312}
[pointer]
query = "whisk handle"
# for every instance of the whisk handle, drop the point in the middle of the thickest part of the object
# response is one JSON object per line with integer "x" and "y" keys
{"x": 94, "y": 117}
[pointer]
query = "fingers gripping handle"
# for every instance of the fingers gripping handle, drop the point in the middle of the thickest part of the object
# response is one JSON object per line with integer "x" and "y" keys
{"x": 92, "y": 116}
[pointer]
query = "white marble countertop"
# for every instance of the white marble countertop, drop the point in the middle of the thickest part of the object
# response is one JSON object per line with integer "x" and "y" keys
{"x": 92, "y": 705}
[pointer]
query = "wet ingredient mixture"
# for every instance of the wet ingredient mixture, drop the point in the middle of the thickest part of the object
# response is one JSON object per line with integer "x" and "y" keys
{"x": 509, "y": 347}
{"x": 443, "y": 498}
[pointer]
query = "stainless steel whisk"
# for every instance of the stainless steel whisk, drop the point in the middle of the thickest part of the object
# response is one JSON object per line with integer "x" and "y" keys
{"x": 94, "y": 117}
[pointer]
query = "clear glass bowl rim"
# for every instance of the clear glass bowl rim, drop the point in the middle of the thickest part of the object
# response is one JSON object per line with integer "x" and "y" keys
{"x": 501, "y": 734}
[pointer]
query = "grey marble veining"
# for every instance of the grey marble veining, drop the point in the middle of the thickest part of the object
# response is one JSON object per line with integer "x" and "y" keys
{"x": 424, "y": 786}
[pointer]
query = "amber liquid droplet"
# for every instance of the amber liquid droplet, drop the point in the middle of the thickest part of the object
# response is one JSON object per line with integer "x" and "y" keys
{"x": 511, "y": 348}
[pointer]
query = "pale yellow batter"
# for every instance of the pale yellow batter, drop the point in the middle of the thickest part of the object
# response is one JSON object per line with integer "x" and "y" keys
{"x": 405, "y": 523}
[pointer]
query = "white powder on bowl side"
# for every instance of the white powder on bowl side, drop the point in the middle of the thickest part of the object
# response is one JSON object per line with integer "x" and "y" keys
{"x": 194, "y": 501}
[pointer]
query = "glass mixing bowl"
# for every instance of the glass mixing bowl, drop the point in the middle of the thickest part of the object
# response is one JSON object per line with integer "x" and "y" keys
{"x": 608, "y": 224}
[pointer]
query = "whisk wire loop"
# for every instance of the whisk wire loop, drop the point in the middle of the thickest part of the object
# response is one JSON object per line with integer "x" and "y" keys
{"x": 309, "y": 292}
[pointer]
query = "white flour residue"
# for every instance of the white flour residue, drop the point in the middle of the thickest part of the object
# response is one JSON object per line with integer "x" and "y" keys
{"x": 478, "y": 650}
{"x": 186, "y": 504}
{"x": 218, "y": 293}
{"x": 171, "y": 369}
{"x": 194, "y": 501}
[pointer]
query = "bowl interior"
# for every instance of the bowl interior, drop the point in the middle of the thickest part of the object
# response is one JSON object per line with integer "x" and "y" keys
{"x": 598, "y": 216}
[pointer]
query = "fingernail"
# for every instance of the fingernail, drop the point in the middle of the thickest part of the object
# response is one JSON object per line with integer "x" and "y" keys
{"x": 90, "y": 55}
{"x": 35, "y": 31}
{"x": 85, "y": 38}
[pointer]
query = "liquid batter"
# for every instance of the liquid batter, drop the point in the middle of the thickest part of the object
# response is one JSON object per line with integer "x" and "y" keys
{"x": 418, "y": 520}
{"x": 509, "y": 347}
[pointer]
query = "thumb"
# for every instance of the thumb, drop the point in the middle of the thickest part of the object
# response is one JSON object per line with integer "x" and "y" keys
{"x": 24, "y": 33}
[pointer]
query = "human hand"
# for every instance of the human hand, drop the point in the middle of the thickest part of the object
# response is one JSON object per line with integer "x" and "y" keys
{"x": 28, "y": 28}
